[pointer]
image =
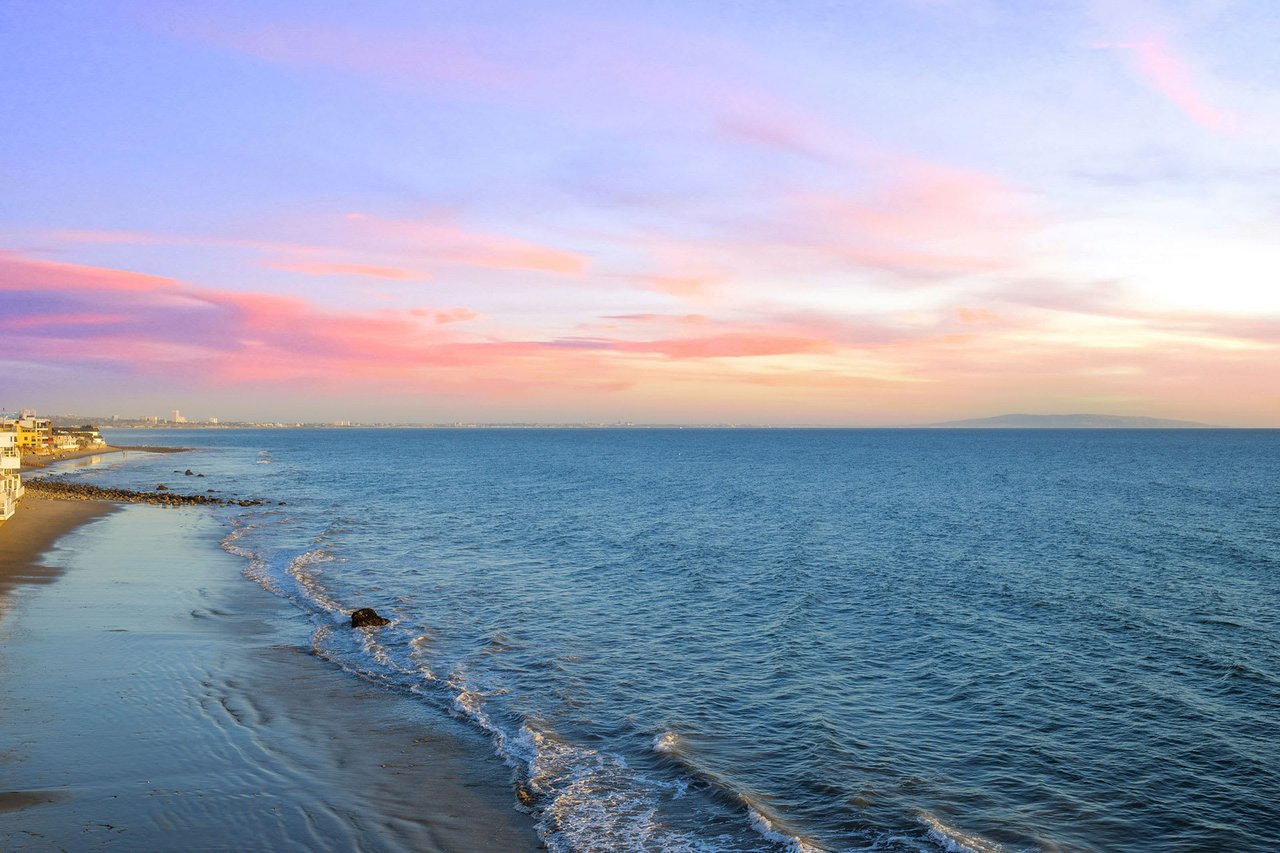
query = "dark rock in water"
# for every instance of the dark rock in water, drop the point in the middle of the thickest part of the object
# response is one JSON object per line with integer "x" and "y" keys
{"x": 367, "y": 617}
{"x": 161, "y": 487}
{"x": 189, "y": 472}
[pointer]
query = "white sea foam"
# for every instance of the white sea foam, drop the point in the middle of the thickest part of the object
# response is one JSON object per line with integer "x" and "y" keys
{"x": 666, "y": 742}
{"x": 590, "y": 801}
{"x": 583, "y": 800}
{"x": 255, "y": 566}
{"x": 303, "y": 570}
{"x": 954, "y": 840}
{"x": 770, "y": 829}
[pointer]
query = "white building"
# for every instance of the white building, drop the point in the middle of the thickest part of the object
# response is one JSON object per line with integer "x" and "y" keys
{"x": 10, "y": 480}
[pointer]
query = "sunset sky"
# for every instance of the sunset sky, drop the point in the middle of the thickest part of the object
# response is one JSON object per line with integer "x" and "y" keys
{"x": 866, "y": 212}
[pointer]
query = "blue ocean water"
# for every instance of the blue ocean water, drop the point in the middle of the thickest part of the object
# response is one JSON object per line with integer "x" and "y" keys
{"x": 721, "y": 640}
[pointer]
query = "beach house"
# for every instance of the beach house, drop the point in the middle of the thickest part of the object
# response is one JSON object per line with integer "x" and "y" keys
{"x": 10, "y": 481}
{"x": 74, "y": 438}
{"x": 34, "y": 435}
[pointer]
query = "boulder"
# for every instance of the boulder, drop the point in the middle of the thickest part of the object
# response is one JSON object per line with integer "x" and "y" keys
{"x": 161, "y": 487}
{"x": 367, "y": 617}
{"x": 189, "y": 472}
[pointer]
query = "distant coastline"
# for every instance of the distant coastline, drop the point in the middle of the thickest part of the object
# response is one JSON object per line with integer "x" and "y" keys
{"x": 1006, "y": 421}
{"x": 1078, "y": 421}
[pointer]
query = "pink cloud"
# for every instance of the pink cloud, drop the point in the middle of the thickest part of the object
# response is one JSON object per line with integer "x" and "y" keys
{"x": 729, "y": 345}
{"x": 237, "y": 338}
{"x": 22, "y": 273}
{"x": 916, "y": 221}
{"x": 439, "y": 239}
{"x": 321, "y": 268}
{"x": 975, "y": 316}
{"x": 925, "y": 218}
{"x": 1171, "y": 76}
{"x": 682, "y": 285}
{"x": 134, "y": 238}
{"x": 342, "y": 250}
{"x": 35, "y": 321}
{"x": 450, "y": 315}
{"x": 956, "y": 359}
{"x": 698, "y": 319}
{"x": 401, "y": 58}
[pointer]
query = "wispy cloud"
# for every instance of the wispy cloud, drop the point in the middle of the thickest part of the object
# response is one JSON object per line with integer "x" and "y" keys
{"x": 361, "y": 244}
{"x": 952, "y": 360}
{"x": 442, "y": 240}
{"x": 321, "y": 268}
{"x": 1171, "y": 76}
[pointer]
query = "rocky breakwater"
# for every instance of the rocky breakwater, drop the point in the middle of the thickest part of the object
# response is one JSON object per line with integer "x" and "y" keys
{"x": 63, "y": 490}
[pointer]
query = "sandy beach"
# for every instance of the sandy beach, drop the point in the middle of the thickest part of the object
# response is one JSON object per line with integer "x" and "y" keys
{"x": 35, "y": 462}
{"x": 32, "y": 531}
{"x": 156, "y": 699}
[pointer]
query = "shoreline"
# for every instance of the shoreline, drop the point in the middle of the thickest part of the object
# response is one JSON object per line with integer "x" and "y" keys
{"x": 32, "y": 462}
{"x": 156, "y": 697}
{"x": 33, "y": 531}
{"x": 38, "y": 461}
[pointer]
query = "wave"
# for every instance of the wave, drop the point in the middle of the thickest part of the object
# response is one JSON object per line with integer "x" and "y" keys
{"x": 766, "y": 824}
{"x": 582, "y": 799}
{"x": 770, "y": 829}
{"x": 255, "y": 565}
{"x": 953, "y": 840}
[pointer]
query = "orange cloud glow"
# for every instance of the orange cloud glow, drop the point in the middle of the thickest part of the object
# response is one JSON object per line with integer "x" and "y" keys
{"x": 955, "y": 361}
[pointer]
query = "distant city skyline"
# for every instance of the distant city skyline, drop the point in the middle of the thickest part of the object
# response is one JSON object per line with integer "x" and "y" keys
{"x": 882, "y": 213}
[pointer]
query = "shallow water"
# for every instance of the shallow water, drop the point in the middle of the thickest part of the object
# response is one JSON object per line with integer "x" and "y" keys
{"x": 155, "y": 701}
{"x": 841, "y": 640}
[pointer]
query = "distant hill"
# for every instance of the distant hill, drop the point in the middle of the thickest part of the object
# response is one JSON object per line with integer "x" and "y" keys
{"x": 1069, "y": 422}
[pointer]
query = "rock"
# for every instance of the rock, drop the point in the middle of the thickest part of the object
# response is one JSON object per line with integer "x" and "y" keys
{"x": 161, "y": 487}
{"x": 199, "y": 475}
{"x": 367, "y": 617}
{"x": 189, "y": 472}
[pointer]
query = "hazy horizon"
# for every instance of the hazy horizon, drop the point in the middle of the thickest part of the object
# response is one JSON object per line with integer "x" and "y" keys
{"x": 891, "y": 213}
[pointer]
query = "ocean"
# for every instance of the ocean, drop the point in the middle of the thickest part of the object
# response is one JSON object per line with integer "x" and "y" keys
{"x": 756, "y": 640}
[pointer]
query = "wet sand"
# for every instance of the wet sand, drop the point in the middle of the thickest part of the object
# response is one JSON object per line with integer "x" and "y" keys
{"x": 156, "y": 699}
{"x": 34, "y": 462}
{"x": 37, "y": 524}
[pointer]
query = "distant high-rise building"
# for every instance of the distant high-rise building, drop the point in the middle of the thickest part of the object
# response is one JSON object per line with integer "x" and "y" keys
{"x": 178, "y": 418}
{"x": 213, "y": 420}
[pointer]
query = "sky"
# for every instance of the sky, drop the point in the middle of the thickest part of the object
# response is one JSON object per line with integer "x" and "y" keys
{"x": 811, "y": 212}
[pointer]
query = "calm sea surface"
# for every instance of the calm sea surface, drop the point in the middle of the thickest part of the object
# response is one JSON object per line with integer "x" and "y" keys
{"x": 817, "y": 640}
